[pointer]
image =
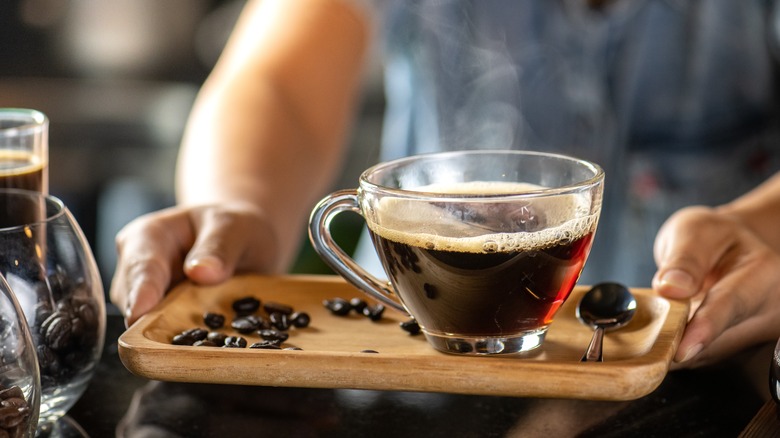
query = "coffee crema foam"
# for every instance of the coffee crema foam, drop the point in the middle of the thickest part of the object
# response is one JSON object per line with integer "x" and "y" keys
{"x": 440, "y": 227}
{"x": 13, "y": 163}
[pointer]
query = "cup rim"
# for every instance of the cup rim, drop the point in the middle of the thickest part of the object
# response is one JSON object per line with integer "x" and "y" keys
{"x": 31, "y": 120}
{"x": 57, "y": 202}
{"x": 597, "y": 178}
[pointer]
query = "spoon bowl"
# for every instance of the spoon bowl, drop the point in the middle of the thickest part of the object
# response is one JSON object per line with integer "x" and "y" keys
{"x": 606, "y": 306}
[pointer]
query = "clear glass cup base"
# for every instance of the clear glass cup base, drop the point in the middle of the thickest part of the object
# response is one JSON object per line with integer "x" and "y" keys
{"x": 487, "y": 345}
{"x": 63, "y": 427}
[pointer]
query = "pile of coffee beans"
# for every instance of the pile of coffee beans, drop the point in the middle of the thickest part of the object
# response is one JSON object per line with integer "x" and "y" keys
{"x": 66, "y": 332}
{"x": 270, "y": 321}
{"x": 14, "y": 412}
{"x": 341, "y": 307}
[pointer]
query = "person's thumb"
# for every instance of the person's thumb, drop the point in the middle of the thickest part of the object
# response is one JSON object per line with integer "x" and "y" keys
{"x": 687, "y": 249}
{"x": 211, "y": 259}
{"x": 228, "y": 239}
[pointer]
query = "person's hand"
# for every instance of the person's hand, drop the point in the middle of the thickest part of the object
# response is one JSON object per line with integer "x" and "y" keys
{"x": 207, "y": 244}
{"x": 731, "y": 277}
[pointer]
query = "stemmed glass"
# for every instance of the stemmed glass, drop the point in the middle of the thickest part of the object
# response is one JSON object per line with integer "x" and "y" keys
{"x": 50, "y": 268}
{"x": 20, "y": 384}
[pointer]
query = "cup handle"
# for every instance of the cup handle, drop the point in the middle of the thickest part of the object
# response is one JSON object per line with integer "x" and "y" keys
{"x": 332, "y": 254}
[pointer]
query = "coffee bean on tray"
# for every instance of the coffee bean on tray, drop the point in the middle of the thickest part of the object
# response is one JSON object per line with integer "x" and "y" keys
{"x": 235, "y": 342}
{"x": 300, "y": 319}
{"x": 338, "y": 306}
{"x": 411, "y": 326}
{"x": 358, "y": 304}
{"x": 375, "y": 312}
{"x": 274, "y": 336}
{"x": 213, "y": 320}
{"x": 246, "y": 306}
{"x": 272, "y": 330}
{"x": 272, "y": 307}
{"x": 246, "y": 324}
{"x": 267, "y": 345}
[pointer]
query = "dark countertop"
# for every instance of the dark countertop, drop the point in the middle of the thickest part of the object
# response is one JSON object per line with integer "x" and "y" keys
{"x": 718, "y": 401}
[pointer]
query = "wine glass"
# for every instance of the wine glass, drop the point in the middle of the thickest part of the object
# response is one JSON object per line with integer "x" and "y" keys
{"x": 50, "y": 268}
{"x": 20, "y": 384}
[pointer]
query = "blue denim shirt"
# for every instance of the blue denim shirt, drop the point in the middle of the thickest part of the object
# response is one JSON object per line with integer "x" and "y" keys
{"x": 677, "y": 100}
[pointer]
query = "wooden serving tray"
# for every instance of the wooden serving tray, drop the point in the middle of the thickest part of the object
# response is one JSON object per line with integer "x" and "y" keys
{"x": 636, "y": 357}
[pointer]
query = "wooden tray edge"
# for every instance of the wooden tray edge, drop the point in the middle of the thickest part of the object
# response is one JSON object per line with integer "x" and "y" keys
{"x": 147, "y": 359}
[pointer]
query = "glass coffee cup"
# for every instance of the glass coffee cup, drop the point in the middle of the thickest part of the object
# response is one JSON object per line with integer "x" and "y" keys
{"x": 481, "y": 248}
{"x": 24, "y": 149}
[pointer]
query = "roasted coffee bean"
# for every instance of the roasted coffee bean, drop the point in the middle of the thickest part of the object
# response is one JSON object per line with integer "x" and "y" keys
{"x": 235, "y": 342}
{"x": 10, "y": 417}
{"x": 213, "y": 320}
{"x": 280, "y": 321}
{"x": 12, "y": 392}
{"x": 46, "y": 357}
{"x": 182, "y": 339}
{"x": 374, "y": 313}
{"x": 411, "y": 326}
{"x": 197, "y": 333}
{"x": 18, "y": 402}
{"x": 266, "y": 345}
{"x": 14, "y": 412}
{"x": 190, "y": 336}
{"x": 216, "y": 337}
{"x": 46, "y": 323}
{"x": 271, "y": 307}
{"x": 59, "y": 328}
{"x": 43, "y": 310}
{"x": 369, "y": 351}
{"x": 245, "y": 324}
{"x": 358, "y": 304}
{"x": 274, "y": 336}
{"x": 338, "y": 306}
{"x": 86, "y": 312}
{"x": 300, "y": 319}
{"x": 246, "y": 306}
{"x": 78, "y": 328}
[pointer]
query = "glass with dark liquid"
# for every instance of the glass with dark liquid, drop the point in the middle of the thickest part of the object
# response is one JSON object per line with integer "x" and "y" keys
{"x": 481, "y": 247}
{"x": 24, "y": 149}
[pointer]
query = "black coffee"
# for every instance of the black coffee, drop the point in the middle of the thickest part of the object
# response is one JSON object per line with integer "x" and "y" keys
{"x": 484, "y": 294}
{"x": 482, "y": 283}
{"x": 20, "y": 170}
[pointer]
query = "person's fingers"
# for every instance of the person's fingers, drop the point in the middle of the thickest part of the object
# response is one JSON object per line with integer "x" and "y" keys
{"x": 138, "y": 286}
{"x": 687, "y": 248}
{"x": 150, "y": 252}
{"x": 728, "y": 274}
{"x": 229, "y": 240}
{"x": 737, "y": 309}
{"x": 208, "y": 244}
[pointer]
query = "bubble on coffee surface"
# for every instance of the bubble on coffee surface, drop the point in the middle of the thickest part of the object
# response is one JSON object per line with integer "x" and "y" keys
{"x": 463, "y": 227}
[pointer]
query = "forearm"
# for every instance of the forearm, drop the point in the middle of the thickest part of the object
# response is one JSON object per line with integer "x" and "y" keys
{"x": 269, "y": 125}
{"x": 759, "y": 209}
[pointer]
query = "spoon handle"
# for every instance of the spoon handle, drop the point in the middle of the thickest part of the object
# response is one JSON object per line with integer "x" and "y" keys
{"x": 593, "y": 353}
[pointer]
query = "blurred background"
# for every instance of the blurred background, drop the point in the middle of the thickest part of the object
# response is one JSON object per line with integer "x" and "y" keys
{"x": 117, "y": 80}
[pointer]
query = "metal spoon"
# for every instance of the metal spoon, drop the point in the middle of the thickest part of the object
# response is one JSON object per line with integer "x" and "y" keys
{"x": 605, "y": 306}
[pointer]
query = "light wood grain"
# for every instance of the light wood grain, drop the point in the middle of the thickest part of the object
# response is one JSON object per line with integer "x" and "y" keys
{"x": 636, "y": 358}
